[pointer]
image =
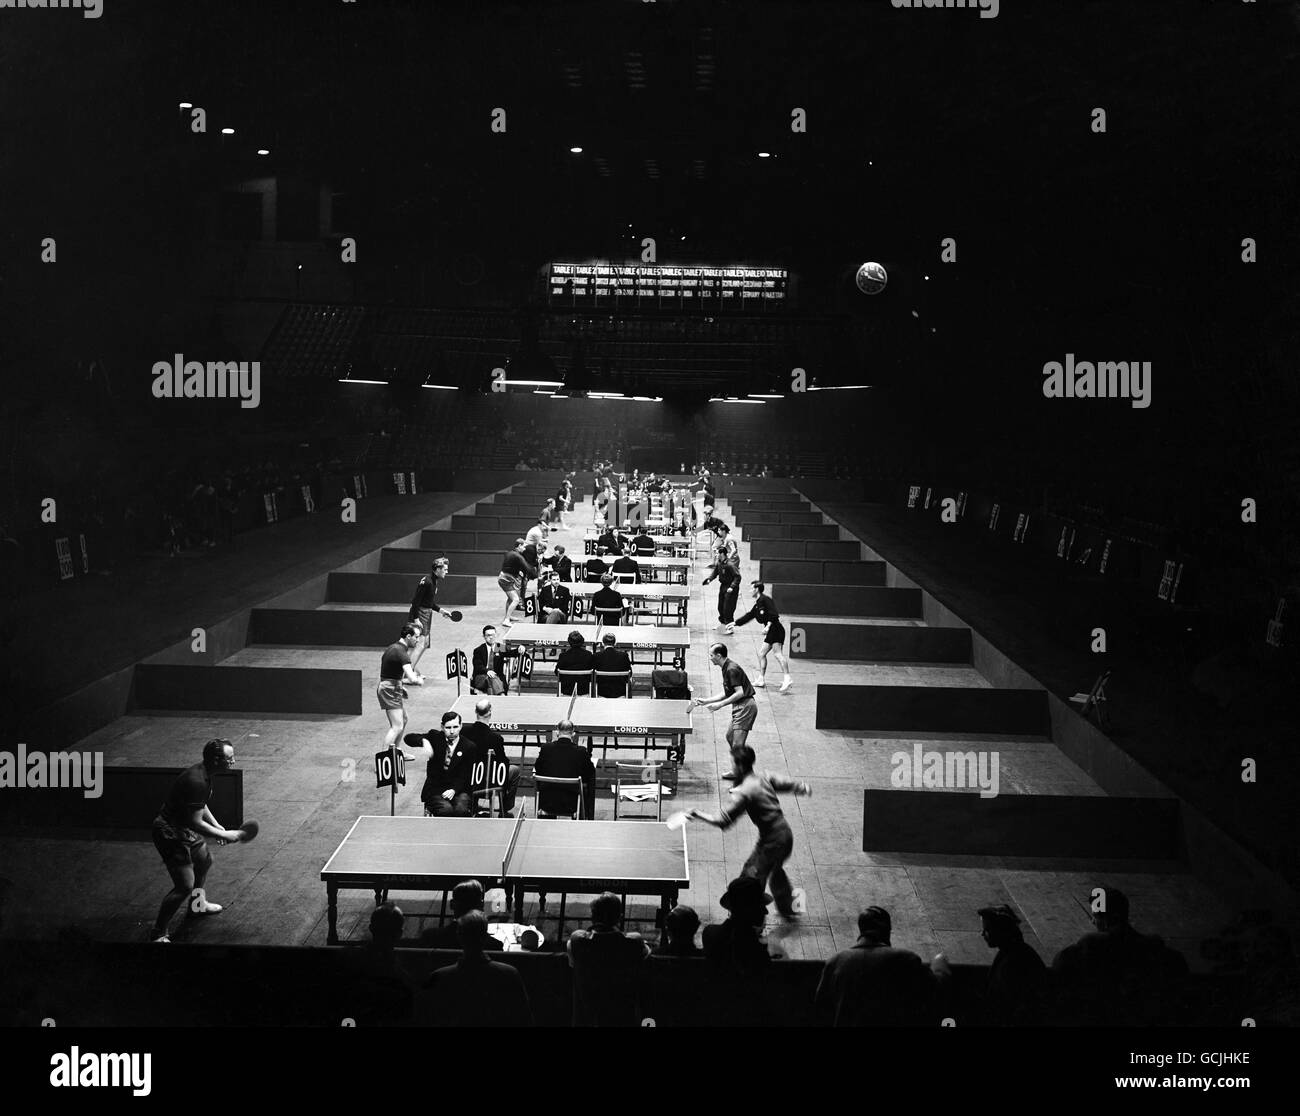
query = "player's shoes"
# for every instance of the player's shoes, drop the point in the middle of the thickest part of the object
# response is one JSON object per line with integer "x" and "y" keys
{"x": 760, "y": 682}
{"x": 785, "y": 686}
{"x": 731, "y": 629}
{"x": 161, "y": 938}
{"x": 206, "y": 909}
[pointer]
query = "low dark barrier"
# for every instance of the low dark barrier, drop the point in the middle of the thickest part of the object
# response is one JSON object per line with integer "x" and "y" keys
{"x": 799, "y": 548}
{"x": 1090, "y": 827}
{"x": 128, "y": 800}
{"x": 744, "y": 516}
{"x": 805, "y": 572}
{"x": 933, "y": 709}
{"x": 398, "y": 588}
{"x": 821, "y": 532}
{"x": 293, "y": 627}
{"x": 848, "y": 600}
{"x": 235, "y": 689}
{"x": 881, "y": 643}
{"x": 473, "y": 563}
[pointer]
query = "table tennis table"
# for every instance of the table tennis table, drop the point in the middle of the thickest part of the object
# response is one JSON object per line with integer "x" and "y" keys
{"x": 675, "y": 570}
{"x": 521, "y": 716}
{"x": 540, "y": 855}
{"x": 661, "y": 640}
{"x": 661, "y": 603}
{"x": 666, "y": 544}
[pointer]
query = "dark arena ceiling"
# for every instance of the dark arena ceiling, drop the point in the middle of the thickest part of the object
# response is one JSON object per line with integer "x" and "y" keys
{"x": 920, "y": 125}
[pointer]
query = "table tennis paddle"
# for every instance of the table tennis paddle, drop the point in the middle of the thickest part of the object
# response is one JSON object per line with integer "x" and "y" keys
{"x": 250, "y": 830}
{"x": 677, "y": 820}
{"x": 456, "y": 616}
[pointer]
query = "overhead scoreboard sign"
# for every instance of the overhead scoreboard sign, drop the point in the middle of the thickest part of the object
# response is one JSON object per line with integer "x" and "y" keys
{"x": 631, "y": 284}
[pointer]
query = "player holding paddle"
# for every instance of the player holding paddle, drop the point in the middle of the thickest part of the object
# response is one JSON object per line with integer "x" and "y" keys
{"x": 425, "y": 603}
{"x": 180, "y": 830}
{"x": 755, "y": 794}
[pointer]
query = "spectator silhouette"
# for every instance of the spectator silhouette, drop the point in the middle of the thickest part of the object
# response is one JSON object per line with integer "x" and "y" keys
{"x": 872, "y": 984}
{"x": 679, "y": 934}
{"x": 1017, "y": 986}
{"x": 466, "y": 896}
{"x": 1116, "y": 977}
{"x": 606, "y": 968}
{"x": 379, "y": 994}
{"x": 474, "y": 992}
{"x": 735, "y": 946}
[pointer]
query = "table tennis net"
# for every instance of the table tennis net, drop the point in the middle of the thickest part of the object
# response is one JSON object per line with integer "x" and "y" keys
{"x": 514, "y": 840}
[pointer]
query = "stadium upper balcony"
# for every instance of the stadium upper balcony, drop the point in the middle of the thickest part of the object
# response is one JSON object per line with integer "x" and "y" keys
{"x": 457, "y": 346}
{"x": 314, "y": 340}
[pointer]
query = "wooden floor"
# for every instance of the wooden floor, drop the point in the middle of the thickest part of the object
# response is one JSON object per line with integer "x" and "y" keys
{"x": 307, "y": 780}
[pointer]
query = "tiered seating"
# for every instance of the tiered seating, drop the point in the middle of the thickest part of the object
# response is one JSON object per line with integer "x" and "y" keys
{"x": 314, "y": 341}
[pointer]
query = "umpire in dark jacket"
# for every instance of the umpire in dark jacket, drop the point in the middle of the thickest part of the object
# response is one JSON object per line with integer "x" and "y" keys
{"x": 563, "y": 758}
{"x": 610, "y": 659}
{"x": 447, "y": 775}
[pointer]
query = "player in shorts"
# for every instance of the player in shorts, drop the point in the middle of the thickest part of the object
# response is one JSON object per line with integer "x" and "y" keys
{"x": 764, "y": 611}
{"x": 737, "y": 693}
{"x": 395, "y": 669}
{"x": 180, "y": 831}
{"x": 513, "y": 579}
{"x": 425, "y": 603}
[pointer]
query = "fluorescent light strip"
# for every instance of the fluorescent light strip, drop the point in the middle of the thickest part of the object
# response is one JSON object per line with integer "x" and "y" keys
{"x": 647, "y": 398}
{"x": 363, "y": 381}
{"x": 753, "y": 395}
{"x": 719, "y": 399}
{"x": 534, "y": 383}
{"x": 539, "y": 391}
{"x": 843, "y": 387}
{"x": 605, "y": 395}
{"x": 440, "y": 387}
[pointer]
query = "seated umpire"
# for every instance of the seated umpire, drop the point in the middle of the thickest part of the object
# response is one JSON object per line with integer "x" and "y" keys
{"x": 626, "y": 565}
{"x": 561, "y": 563}
{"x": 610, "y": 659}
{"x": 446, "y": 780}
{"x": 609, "y": 542}
{"x": 488, "y": 673}
{"x": 563, "y": 758}
{"x": 576, "y": 657}
{"x": 643, "y": 545}
{"x": 607, "y": 597}
{"x": 554, "y": 601}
